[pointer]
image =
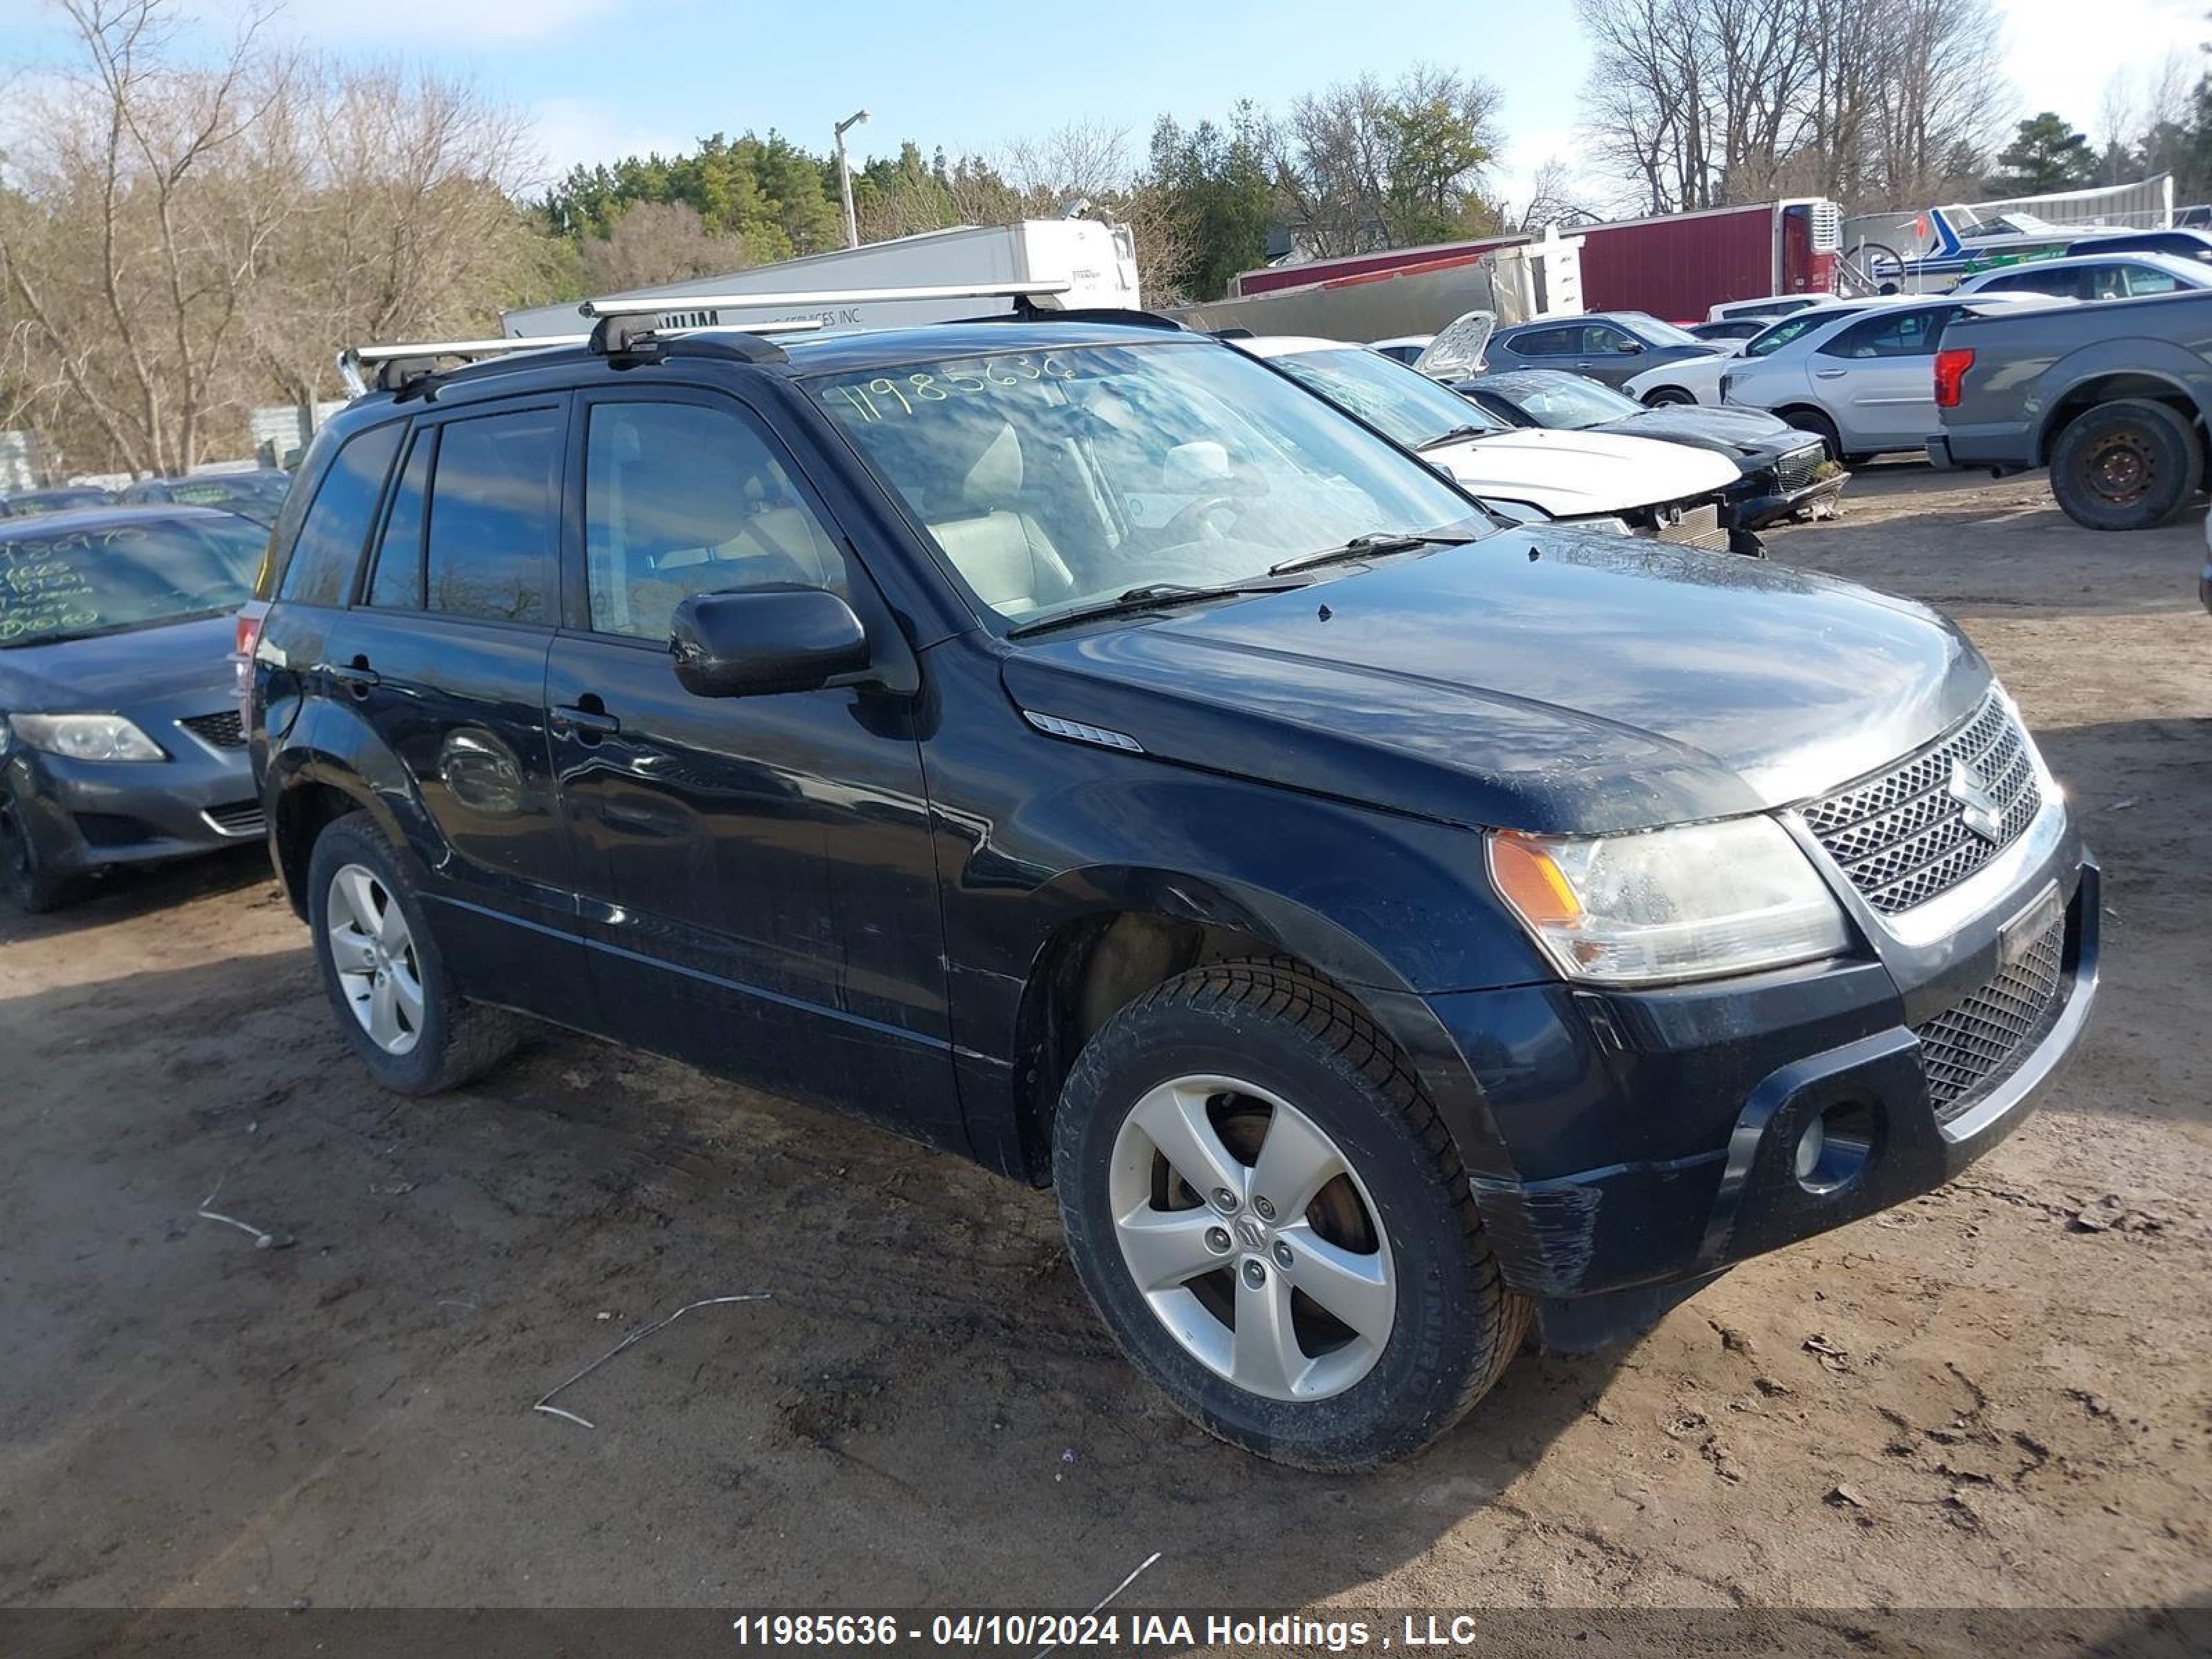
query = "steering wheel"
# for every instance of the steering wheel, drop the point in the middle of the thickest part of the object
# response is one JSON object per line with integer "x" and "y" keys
{"x": 1190, "y": 524}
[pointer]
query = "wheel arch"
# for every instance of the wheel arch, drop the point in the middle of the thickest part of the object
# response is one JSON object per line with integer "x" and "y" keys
{"x": 1138, "y": 929}
{"x": 2115, "y": 385}
{"x": 319, "y": 776}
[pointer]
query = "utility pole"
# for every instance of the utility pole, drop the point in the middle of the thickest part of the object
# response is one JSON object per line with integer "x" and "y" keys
{"x": 845, "y": 177}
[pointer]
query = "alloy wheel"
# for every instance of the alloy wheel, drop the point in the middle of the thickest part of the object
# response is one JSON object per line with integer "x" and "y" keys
{"x": 1251, "y": 1237}
{"x": 373, "y": 954}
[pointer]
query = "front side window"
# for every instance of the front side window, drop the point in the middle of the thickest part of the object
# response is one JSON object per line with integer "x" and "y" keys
{"x": 684, "y": 498}
{"x": 494, "y": 518}
{"x": 1058, "y": 480}
{"x": 320, "y": 571}
{"x": 75, "y": 583}
{"x": 1604, "y": 340}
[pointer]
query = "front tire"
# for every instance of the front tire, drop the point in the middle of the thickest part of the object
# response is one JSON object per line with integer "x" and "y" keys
{"x": 2131, "y": 465}
{"x": 1274, "y": 1224}
{"x": 388, "y": 984}
{"x": 1667, "y": 396}
{"x": 1812, "y": 420}
{"x": 35, "y": 886}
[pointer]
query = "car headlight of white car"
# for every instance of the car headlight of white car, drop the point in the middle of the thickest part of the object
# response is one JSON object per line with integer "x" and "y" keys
{"x": 1692, "y": 903}
{"x": 85, "y": 736}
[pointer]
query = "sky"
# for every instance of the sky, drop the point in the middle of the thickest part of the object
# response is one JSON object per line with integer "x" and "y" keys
{"x": 603, "y": 78}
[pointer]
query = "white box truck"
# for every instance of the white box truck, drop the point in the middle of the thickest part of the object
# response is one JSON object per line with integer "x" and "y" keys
{"x": 1098, "y": 261}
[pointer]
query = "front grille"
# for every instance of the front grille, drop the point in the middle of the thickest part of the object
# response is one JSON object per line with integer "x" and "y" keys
{"x": 1796, "y": 469}
{"x": 237, "y": 817}
{"x": 224, "y": 731}
{"x": 1972, "y": 1043}
{"x": 1903, "y": 836}
{"x": 1697, "y": 527}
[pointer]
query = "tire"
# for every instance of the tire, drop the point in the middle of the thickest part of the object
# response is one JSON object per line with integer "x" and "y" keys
{"x": 35, "y": 886}
{"x": 1231, "y": 1046}
{"x": 448, "y": 1040}
{"x": 1667, "y": 396}
{"x": 2131, "y": 465}
{"x": 1812, "y": 420}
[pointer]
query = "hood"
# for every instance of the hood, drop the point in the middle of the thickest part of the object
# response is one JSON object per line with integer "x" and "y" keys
{"x": 1574, "y": 475}
{"x": 178, "y": 664}
{"x": 1752, "y": 436}
{"x": 1541, "y": 680}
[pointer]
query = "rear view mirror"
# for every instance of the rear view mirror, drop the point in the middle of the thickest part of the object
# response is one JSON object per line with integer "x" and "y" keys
{"x": 766, "y": 639}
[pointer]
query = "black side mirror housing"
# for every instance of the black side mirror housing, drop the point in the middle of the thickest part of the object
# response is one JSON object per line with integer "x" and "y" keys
{"x": 766, "y": 639}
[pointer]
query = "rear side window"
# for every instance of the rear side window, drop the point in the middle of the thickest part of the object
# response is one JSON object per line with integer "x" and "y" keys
{"x": 2148, "y": 279}
{"x": 395, "y": 582}
{"x": 1546, "y": 343}
{"x": 494, "y": 518}
{"x": 336, "y": 525}
{"x": 1890, "y": 334}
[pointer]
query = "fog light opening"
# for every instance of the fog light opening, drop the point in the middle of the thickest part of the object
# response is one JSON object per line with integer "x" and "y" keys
{"x": 1832, "y": 1146}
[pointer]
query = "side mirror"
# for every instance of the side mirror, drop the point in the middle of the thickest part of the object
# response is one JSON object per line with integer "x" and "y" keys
{"x": 765, "y": 640}
{"x": 1631, "y": 348}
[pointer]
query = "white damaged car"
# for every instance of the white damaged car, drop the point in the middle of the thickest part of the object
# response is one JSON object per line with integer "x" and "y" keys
{"x": 1598, "y": 480}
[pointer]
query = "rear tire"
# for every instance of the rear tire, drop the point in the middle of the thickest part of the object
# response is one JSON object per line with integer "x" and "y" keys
{"x": 388, "y": 984}
{"x": 1290, "y": 1087}
{"x": 35, "y": 886}
{"x": 2132, "y": 465}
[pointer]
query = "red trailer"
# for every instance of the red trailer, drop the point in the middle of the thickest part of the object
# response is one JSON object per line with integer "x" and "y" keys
{"x": 1677, "y": 265}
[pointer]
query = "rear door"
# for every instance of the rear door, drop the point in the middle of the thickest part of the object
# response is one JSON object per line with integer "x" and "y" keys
{"x": 1877, "y": 377}
{"x": 443, "y": 655}
{"x": 759, "y": 889}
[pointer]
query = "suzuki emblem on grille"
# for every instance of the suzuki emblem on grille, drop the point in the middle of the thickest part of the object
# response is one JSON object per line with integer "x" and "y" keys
{"x": 1976, "y": 805}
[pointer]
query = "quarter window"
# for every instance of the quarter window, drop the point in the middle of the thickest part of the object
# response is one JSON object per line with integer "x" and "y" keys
{"x": 495, "y": 517}
{"x": 321, "y": 570}
{"x": 682, "y": 499}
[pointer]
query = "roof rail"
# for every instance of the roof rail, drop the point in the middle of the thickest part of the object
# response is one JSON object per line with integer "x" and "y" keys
{"x": 687, "y": 305}
{"x": 396, "y": 366}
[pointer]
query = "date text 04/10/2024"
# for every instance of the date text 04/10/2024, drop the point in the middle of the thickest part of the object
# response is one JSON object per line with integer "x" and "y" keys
{"x": 1115, "y": 1630}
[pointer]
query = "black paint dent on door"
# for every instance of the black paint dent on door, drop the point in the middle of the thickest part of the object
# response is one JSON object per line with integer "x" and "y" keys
{"x": 758, "y": 886}
{"x": 444, "y": 656}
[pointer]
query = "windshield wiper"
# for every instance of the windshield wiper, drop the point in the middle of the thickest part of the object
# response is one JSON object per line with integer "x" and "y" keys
{"x": 1151, "y": 596}
{"x": 1361, "y": 547}
{"x": 1455, "y": 435}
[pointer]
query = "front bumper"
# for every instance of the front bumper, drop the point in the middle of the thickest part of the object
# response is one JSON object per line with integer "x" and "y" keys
{"x": 1771, "y": 507}
{"x": 1655, "y": 1134}
{"x": 86, "y": 815}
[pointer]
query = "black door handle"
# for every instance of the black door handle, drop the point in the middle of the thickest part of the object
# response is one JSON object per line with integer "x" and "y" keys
{"x": 357, "y": 677}
{"x": 589, "y": 724}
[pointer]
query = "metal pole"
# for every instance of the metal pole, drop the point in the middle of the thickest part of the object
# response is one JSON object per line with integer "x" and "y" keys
{"x": 845, "y": 177}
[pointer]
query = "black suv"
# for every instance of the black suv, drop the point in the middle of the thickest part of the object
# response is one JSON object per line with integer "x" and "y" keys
{"x": 1076, "y": 745}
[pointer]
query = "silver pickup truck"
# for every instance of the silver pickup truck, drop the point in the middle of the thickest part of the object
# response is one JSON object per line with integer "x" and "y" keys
{"x": 2114, "y": 397}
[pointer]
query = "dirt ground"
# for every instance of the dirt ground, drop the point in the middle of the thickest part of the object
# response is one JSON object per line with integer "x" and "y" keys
{"x": 1998, "y": 1395}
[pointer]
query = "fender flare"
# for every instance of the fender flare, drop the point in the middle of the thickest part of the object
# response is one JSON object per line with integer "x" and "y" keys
{"x": 2186, "y": 373}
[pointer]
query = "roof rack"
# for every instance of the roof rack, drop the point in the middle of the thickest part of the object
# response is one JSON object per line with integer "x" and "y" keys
{"x": 624, "y": 322}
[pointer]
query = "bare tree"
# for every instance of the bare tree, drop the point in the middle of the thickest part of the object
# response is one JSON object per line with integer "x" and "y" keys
{"x": 1366, "y": 165}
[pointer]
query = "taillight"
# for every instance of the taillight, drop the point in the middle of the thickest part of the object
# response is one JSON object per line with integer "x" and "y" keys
{"x": 247, "y": 639}
{"x": 1951, "y": 365}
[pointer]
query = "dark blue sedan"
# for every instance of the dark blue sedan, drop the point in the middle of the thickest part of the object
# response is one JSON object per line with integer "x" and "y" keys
{"x": 120, "y": 741}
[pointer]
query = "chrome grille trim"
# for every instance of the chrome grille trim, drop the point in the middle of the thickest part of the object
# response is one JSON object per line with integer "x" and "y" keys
{"x": 1903, "y": 837}
{"x": 1796, "y": 469}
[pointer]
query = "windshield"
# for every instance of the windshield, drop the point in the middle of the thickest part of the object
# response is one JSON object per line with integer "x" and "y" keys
{"x": 1790, "y": 328}
{"x": 98, "y": 581}
{"x": 1655, "y": 332}
{"x": 1567, "y": 401}
{"x": 1054, "y": 481}
{"x": 1404, "y": 402}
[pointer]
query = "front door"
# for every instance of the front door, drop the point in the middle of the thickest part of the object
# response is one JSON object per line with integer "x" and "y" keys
{"x": 759, "y": 892}
{"x": 443, "y": 654}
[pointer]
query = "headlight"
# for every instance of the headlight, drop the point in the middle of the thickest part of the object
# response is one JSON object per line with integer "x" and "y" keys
{"x": 86, "y": 737}
{"x": 1692, "y": 902}
{"x": 1605, "y": 524}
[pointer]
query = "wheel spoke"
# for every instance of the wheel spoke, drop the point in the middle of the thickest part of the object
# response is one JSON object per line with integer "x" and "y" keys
{"x": 352, "y": 950}
{"x": 1355, "y": 1288}
{"x": 359, "y": 894}
{"x": 1265, "y": 1355}
{"x": 391, "y": 927}
{"x": 1163, "y": 1248}
{"x": 407, "y": 994}
{"x": 384, "y": 1013}
{"x": 1173, "y": 1117}
{"x": 1295, "y": 1161}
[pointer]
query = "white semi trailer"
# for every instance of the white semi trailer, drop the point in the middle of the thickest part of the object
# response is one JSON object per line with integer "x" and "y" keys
{"x": 1098, "y": 263}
